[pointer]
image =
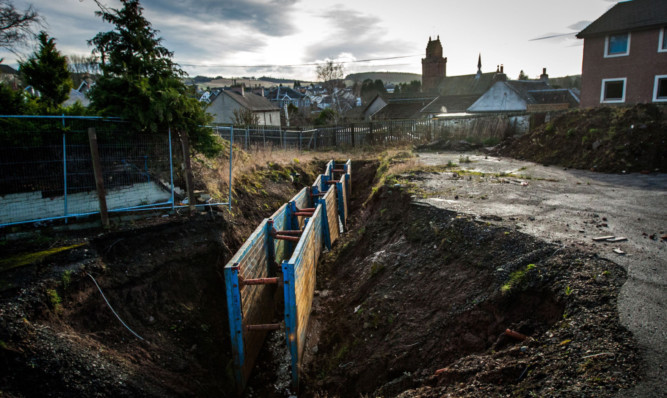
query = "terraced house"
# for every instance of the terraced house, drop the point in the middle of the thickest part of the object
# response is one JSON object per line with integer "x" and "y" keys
{"x": 625, "y": 55}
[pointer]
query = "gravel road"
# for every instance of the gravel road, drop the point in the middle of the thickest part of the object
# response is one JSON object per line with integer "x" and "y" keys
{"x": 571, "y": 207}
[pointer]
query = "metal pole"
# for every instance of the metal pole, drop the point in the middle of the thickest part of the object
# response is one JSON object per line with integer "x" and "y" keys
{"x": 171, "y": 171}
{"x": 65, "y": 171}
{"x": 65, "y": 168}
{"x": 231, "y": 144}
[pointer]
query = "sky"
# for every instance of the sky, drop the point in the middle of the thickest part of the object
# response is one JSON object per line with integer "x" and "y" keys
{"x": 287, "y": 38}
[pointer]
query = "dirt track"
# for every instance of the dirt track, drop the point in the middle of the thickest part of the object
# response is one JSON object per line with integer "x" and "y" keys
{"x": 570, "y": 208}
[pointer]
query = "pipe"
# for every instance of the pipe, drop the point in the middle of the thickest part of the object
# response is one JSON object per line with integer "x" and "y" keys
{"x": 515, "y": 335}
{"x": 289, "y": 238}
{"x": 258, "y": 281}
{"x": 304, "y": 213}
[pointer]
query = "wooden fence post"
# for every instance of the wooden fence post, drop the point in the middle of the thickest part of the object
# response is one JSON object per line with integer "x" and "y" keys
{"x": 185, "y": 146}
{"x": 352, "y": 134}
{"x": 99, "y": 180}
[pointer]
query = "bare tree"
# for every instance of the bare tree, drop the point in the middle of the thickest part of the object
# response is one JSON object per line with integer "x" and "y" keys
{"x": 244, "y": 117}
{"x": 83, "y": 64}
{"x": 16, "y": 25}
{"x": 330, "y": 74}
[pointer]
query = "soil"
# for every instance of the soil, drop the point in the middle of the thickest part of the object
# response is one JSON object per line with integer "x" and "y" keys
{"x": 604, "y": 139}
{"x": 162, "y": 275}
{"x": 416, "y": 301}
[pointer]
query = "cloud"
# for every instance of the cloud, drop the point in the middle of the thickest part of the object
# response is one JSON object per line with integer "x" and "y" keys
{"x": 356, "y": 34}
{"x": 579, "y": 26}
{"x": 269, "y": 17}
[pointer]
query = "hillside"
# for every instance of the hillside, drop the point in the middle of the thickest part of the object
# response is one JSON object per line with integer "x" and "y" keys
{"x": 386, "y": 77}
{"x": 606, "y": 139}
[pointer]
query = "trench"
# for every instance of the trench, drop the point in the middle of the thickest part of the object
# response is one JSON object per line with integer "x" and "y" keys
{"x": 411, "y": 289}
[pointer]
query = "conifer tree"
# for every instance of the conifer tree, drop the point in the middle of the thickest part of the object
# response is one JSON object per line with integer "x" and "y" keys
{"x": 141, "y": 83}
{"x": 46, "y": 70}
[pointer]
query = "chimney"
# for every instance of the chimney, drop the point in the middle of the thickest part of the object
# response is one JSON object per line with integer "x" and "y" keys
{"x": 239, "y": 88}
{"x": 502, "y": 68}
{"x": 544, "y": 77}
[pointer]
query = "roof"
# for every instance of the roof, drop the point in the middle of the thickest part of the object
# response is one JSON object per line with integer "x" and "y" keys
{"x": 467, "y": 84}
{"x": 522, "y": 87}
{"x": 8, "y": 70}
{"x": 450, "y": 104}
{"x": 251, "y": 101}
{"x": 279, "y": 93}
{"x": 628, "y": 15}
{"x": 404, "y": 108}
{"x": 553, "y": 96}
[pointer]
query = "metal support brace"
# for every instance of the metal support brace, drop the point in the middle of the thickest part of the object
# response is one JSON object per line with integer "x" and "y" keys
{"x": 264, "y": 327}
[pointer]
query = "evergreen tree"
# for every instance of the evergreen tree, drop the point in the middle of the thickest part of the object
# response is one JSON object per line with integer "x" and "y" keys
{"x": 141, "y": 84}
{"x": 46, "y": 70}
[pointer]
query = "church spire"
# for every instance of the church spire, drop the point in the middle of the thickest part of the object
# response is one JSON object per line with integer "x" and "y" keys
{"x": 479, "y": 67}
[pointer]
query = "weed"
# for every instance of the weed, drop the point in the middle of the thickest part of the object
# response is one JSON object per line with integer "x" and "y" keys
{"x": 54, "y": 300}
{"x": 568, "y": 290}
{"x": 570, "y": 133}
{"x": 67, "y": 279}
{"x": 451, "y": 164}
{"x": 465, "y": 159}
{"x": 549, "y": 128}
{"x": 376, "y": 268}
{"x": 516, "y": 278}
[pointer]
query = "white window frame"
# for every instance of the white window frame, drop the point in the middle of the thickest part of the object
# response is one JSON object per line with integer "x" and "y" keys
{"x": 655, "y": 89}
{"x": 614, "y": 101}
{"x": 606, "y": 47}
{"x": 662, "y": 37}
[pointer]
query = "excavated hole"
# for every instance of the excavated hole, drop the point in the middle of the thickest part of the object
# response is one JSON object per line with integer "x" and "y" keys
{"x": 416, "y": 289}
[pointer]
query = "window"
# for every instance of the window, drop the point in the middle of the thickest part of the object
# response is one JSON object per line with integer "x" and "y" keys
{"x": 660, "y": 89}
{"x": 613, "y": 90}
{"x": 662, "y": 44}
{"x": 617, "y": 45}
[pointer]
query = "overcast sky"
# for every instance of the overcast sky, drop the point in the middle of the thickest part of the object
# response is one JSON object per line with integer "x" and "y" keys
{"x": 234, "y": 38}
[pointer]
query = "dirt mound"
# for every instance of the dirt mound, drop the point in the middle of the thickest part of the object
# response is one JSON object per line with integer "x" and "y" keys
{"x": 415, "y": 290}
{"x": 606, "y": 139}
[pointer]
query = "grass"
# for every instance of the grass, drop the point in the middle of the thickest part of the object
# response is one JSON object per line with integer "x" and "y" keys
{"x": 21, "y": 260}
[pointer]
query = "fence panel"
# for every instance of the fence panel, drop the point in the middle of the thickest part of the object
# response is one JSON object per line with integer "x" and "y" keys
{"x": 299, "y": 284}
{"x": 46, "y": 168}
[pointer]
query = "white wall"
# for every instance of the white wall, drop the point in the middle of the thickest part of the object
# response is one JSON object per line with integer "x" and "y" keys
{"x": 31, "y": 205}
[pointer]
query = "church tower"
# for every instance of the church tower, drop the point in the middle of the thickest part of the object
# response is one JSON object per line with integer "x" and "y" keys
{"x": 434, "y": 66}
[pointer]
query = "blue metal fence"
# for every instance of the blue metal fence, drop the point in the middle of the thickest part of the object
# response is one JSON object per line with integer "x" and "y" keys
{"x": 46, "y": 168}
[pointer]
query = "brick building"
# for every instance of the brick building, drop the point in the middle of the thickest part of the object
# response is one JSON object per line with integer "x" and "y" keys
{"x": 434, "y": 66}
{"x": 625, "y": 55}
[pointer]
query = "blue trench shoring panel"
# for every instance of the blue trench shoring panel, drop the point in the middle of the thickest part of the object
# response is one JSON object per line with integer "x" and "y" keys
{"x": 261, "y": 252}
{"x": 299, "y": 275}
